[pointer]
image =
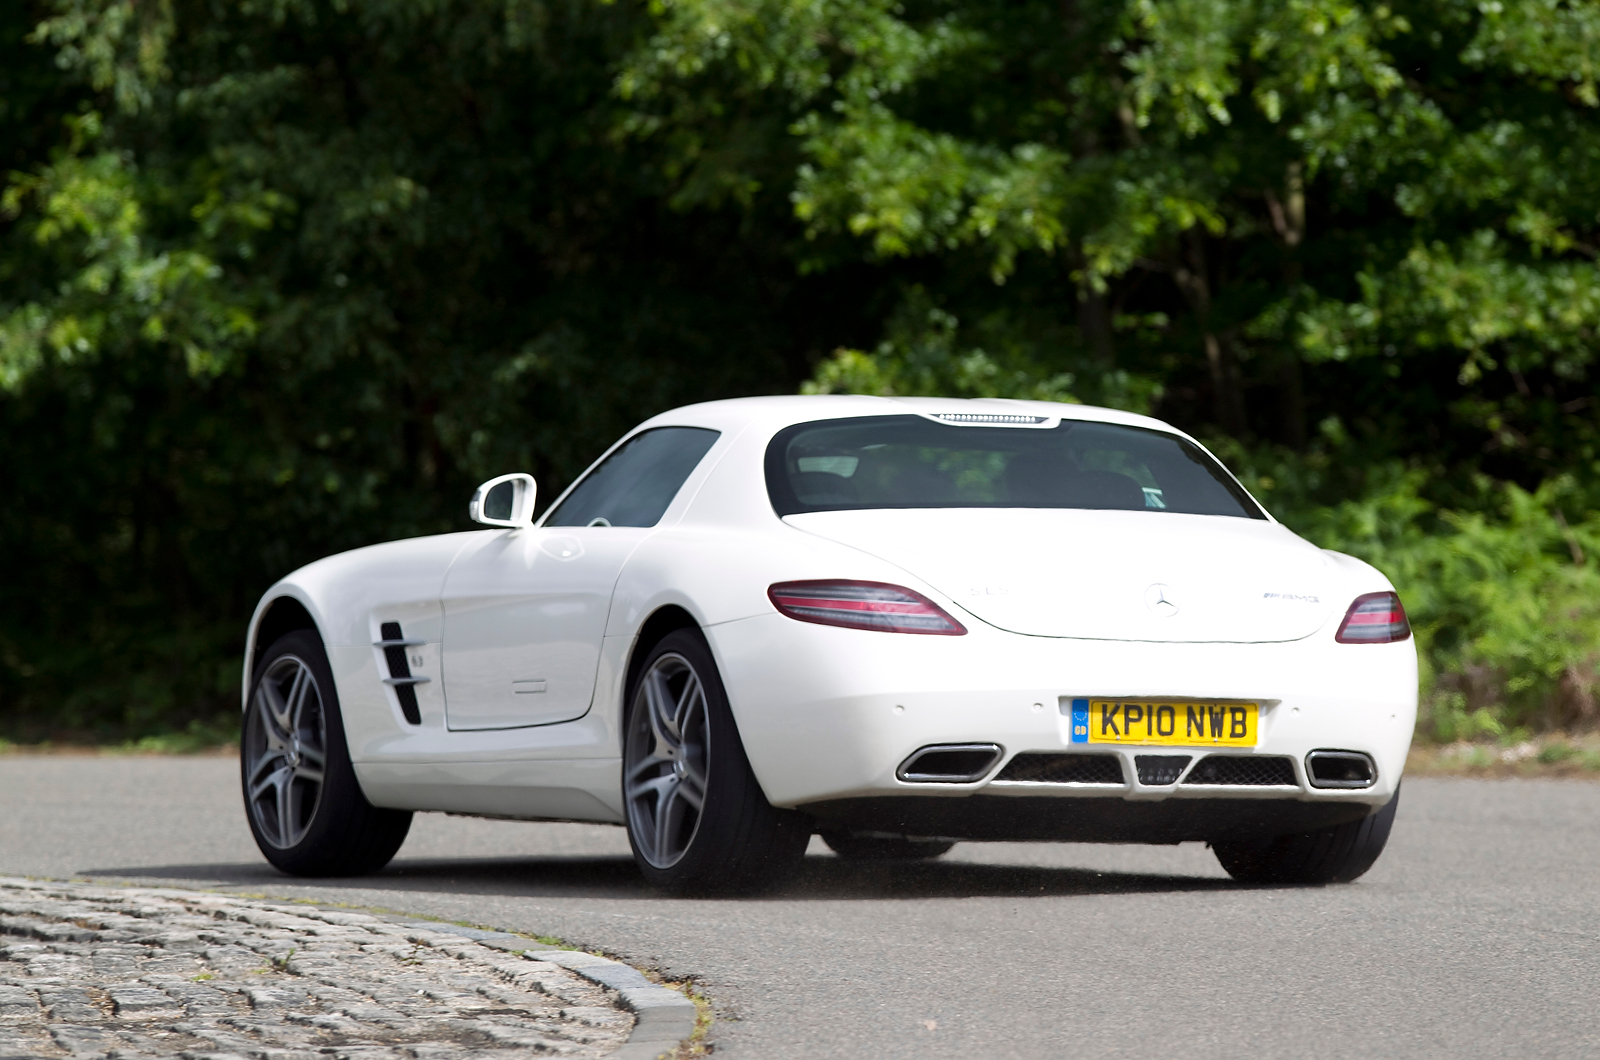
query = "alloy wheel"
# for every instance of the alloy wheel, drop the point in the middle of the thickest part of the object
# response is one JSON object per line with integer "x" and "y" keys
{"x": 666, "y": 755}
{"x": 286, "y": 739}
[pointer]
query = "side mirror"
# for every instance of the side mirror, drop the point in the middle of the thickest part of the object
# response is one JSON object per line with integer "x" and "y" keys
{"x": 504, "y": 501}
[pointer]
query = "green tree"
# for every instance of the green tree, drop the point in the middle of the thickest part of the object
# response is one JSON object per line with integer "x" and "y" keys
{"x": 287, "y": 278}
{"x": 1218, "y": 193}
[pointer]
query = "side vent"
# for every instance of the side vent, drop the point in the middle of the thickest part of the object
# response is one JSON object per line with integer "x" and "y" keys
{"x": 394, "y": 647}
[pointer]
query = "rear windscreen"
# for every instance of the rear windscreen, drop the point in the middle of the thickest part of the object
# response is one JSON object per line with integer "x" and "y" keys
{"x": 913, "y": 462}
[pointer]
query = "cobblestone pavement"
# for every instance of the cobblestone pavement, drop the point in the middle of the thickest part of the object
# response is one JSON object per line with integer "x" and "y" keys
{"x": 128, "y": 973}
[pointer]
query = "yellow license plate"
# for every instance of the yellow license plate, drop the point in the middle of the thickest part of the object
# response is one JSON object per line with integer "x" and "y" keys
{"x": 1166, "y": 722}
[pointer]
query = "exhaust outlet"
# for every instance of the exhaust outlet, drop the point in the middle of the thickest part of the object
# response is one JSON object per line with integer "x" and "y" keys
{"x": 1340, "y": 769}
{"x": 950, "y": 763}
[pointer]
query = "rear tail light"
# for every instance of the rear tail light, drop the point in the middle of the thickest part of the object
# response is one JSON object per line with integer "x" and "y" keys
{"x": 1375, "y": 618}
{"x": 863, "y": 605}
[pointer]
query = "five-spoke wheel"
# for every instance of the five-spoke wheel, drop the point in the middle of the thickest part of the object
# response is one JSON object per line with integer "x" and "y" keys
{"x": 669, "y": 745}
{"x": 697, "y": 817}
{"x": 285, "y": 751}
{"x": 302, "y": 799}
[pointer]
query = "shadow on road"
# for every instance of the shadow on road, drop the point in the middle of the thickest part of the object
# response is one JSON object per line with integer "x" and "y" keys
{"x": 820, "y": 878}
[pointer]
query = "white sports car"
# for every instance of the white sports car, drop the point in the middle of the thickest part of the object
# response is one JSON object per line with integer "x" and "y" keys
{"x": 898, "y": 623}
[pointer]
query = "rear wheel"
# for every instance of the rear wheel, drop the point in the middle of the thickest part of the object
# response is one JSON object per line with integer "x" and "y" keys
{"x": 697, "y": 818}
{"x": 1337, "y": 854}
{"x": 856, "y": 846}
{"x": 305, "y": 807}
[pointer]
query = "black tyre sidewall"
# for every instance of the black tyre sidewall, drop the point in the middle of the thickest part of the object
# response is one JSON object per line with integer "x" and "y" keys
{"x": 1339, "y": 854}
{"x": 742, "y": 843}
{"x": 1372, "y": 836}
{"x": 348, "y": 835}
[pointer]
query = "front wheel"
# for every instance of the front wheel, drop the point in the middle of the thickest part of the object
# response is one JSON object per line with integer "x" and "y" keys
{"x": 697, "y": 818}
{"x": 1337, "y": 854}
{"x": 305, "y": 807}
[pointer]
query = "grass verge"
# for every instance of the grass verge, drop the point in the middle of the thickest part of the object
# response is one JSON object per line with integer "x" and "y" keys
{"x": 1551, "y": 755}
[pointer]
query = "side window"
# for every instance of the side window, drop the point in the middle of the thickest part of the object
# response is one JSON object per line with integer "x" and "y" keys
{"x": 635, "y": 484}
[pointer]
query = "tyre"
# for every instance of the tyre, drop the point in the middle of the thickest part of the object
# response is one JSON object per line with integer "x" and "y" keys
{"x": 697, "y": 819}
{"x": 305, "y": 808}
{"x": 854, "y": 846}
{"x": 1329, "y": 855}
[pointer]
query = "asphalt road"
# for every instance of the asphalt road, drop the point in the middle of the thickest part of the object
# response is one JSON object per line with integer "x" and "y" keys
{"x": 1477, "y": 934}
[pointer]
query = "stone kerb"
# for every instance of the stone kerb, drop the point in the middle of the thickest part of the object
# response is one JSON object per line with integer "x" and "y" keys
{"x": 128, "y": 973}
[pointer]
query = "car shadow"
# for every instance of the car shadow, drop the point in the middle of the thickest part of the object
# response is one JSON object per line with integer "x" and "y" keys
{"x": 821, "y": 878}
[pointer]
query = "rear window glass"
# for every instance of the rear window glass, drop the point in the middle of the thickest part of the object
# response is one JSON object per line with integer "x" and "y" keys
{"x": 913, "y": 462}
{"x": 635, "y": 484}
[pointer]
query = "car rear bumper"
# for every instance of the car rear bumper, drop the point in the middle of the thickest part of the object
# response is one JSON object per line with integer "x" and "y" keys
{"x": 828, "y": 716}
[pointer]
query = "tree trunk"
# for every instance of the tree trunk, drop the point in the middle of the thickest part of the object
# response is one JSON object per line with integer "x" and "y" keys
{"x": 1227, "y": 395}
{"x": 1289, "y": 219}
{"x": 1294, "y": 399}
{"x": 1094, "y": 324}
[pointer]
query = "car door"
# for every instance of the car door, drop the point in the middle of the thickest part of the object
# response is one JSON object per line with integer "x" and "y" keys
{"x": 525, "y": 610}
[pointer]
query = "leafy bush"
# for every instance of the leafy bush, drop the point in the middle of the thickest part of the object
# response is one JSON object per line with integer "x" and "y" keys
{"x": 1504, "y": 597}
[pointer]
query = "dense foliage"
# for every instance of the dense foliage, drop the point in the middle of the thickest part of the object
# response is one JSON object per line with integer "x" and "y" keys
{"x": 279, "y": 277}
